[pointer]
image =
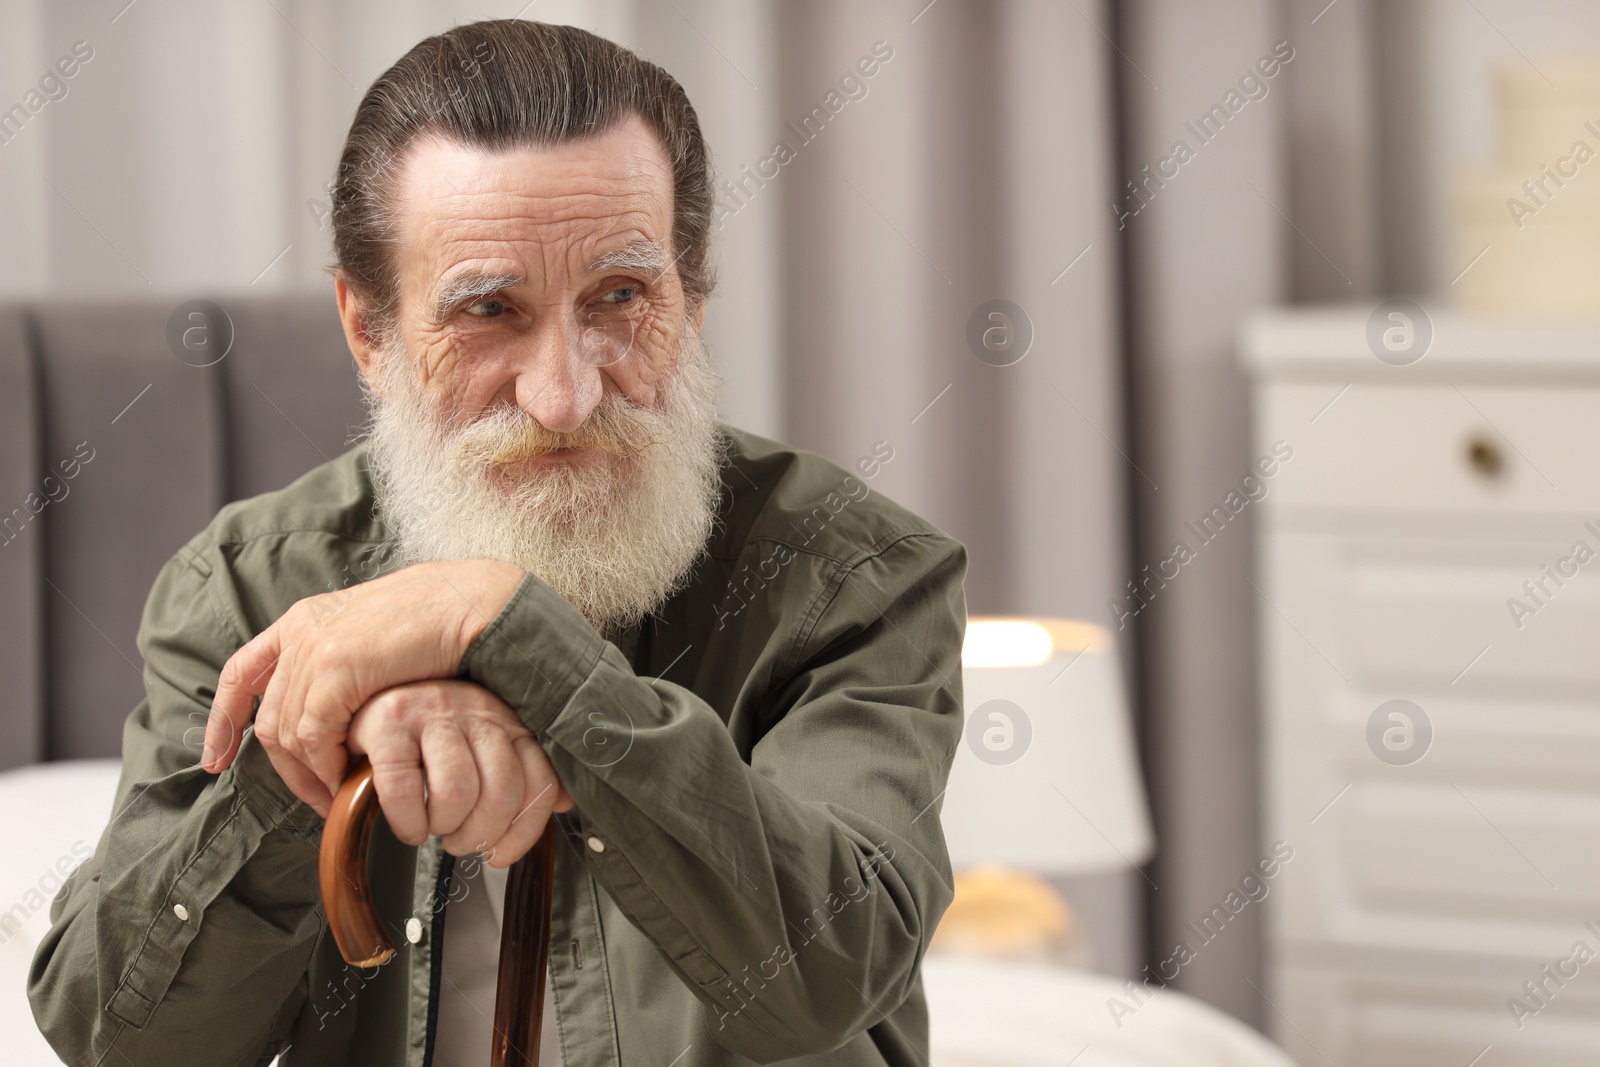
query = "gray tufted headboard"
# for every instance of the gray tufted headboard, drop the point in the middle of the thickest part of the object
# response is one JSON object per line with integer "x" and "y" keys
{"x": 113, "y": 453}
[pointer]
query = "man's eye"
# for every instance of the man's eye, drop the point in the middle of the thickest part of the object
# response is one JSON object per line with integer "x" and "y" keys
{"x": 622, "y": 294}
{"x": 486, "y": 309}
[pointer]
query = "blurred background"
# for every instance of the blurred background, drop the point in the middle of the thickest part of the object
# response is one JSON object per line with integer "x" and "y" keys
{"x": 1258, "y": 335}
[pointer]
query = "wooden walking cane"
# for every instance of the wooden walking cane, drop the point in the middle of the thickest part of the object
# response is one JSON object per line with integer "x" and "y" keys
{"x": 524, "y": 933}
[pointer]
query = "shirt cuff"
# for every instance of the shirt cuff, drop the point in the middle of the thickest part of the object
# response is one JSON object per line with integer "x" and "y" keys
{"x": 534, "y": 654}
{"x": 168, "y": 892}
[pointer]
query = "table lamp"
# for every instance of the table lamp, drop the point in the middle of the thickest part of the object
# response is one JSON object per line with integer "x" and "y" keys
{"x": 1046, "y": 779}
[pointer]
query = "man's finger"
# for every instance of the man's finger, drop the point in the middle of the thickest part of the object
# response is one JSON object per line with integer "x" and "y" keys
{"x": 244, "y": 677}
{"x": 305, "y": 785}
{"x": 499, "y": 793}
{"x": 542, "y": 793}
{"x": 396, "y": 767}
{"x": 321, "y": 729}
{"x": 397, "y": 777}
{"x": 452, "y": 777}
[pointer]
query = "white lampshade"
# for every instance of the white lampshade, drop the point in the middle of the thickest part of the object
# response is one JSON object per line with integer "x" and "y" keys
{"x": 1046, "y": 779}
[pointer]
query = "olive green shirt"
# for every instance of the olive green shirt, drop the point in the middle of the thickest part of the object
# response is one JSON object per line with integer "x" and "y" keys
{"x": 753, "y": 868}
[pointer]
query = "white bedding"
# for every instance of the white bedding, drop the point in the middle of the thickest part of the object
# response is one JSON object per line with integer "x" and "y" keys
{"x": 50, "y": 821}
{"x": 993, "y": 1013}
{"x": 985, "y": 1013}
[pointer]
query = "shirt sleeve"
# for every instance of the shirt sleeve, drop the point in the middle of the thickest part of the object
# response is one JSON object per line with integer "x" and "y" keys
{"x": 794, "y": 887}
{"x": 186, "y": 937}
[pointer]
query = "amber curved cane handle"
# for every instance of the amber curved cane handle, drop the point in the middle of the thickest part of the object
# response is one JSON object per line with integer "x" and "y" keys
{"x": 342, "y": 870}
{"x": 524, "y": 935}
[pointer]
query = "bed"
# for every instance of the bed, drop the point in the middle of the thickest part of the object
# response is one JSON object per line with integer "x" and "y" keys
{"x": 985, "y": 1012}
{"x": 53, "y": 815}
{"x": 1006, "y": 1013}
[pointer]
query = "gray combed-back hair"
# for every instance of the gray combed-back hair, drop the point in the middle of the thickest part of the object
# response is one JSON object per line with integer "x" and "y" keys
{"x": 496, "y": 85}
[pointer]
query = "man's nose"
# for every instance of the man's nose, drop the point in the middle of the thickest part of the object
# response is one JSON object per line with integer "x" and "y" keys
{"x": 554, "y": 384}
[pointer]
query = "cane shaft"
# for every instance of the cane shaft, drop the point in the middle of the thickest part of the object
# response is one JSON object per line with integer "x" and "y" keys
{"x": 524, "y": 956}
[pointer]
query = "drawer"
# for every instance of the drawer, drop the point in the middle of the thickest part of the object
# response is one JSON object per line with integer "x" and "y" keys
{"x": 1423, "y": 615}
{"x": 1471, "y": 617}
{"x": 1436, "y": 856}
{"x": 1434, "y": 447}
{"x": 1423, "y": 862}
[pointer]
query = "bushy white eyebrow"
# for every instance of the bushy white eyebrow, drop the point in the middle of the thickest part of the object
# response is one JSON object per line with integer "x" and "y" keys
{"x": 642, "y": 256}
{"x": 467, "y": 288}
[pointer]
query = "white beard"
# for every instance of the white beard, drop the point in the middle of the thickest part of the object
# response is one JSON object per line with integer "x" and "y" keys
{"x": 615, "y": 536}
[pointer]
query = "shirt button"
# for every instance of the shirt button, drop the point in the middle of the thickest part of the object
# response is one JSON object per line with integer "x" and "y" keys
{"x": 596, "y": 845}
{"x": 414, "y": 930}
{"x": 181, "y": 912}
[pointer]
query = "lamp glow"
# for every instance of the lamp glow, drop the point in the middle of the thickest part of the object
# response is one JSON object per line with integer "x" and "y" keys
{"x": 1005, "y": 643}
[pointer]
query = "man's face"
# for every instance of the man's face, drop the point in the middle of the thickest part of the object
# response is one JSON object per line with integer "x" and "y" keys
{"x": 543, "y": 397}
{"x": 539, "y": 278}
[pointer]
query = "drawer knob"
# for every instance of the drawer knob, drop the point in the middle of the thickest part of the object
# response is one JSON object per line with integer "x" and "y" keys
{"x": 1485, "y": 456}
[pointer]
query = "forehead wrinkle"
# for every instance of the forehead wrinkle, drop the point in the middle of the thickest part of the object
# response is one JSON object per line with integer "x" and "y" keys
{"x": 513, "y": 226}
{"x": 532, "y": 240}
{"x": 498, "y": 203}
{"x": 495, "y": 219}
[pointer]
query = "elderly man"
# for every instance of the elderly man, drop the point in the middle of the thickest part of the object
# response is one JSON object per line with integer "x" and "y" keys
{"x": 550, "y": 594}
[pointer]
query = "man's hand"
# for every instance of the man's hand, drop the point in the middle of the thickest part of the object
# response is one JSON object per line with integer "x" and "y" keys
{"x": 490, "y": 787}
{"x": 328, "y": 655}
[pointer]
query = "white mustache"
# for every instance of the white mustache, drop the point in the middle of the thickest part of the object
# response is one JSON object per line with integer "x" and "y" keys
{"x": 507, "y": 434}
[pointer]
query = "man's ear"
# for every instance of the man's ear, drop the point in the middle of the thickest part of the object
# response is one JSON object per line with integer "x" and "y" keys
{"x": 352, "y": 315}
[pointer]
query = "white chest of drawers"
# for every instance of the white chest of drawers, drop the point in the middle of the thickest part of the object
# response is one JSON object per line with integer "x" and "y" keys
{"x": 1422, "y": 504}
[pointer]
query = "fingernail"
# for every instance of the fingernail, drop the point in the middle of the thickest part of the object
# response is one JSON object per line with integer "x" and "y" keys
{"x": 207, "y": 756}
